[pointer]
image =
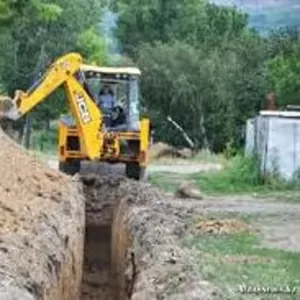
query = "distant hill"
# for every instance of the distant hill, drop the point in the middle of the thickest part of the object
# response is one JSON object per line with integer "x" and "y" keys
{"x": 266, "y": 15}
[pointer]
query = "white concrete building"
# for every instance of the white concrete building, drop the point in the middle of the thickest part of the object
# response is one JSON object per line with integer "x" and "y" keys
{"x": 275, "y": 137}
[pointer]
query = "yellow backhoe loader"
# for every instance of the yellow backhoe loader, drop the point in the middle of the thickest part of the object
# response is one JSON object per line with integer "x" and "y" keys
{"x": 93, "y": 130}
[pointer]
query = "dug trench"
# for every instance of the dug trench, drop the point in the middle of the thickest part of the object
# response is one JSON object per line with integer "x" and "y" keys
{"x": 131, "y": 244}
{"x": 99, "y": 279}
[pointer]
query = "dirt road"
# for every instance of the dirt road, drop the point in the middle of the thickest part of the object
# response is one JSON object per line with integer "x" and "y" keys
{"x": 278, "y": 222}
{"x": 170, "y": 168}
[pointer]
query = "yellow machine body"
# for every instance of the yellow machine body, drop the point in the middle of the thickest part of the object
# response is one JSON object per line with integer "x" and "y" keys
{"x": 111, "y": 145}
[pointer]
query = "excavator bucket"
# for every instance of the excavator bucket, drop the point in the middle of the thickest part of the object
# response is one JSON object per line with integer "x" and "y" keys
{"x": 8, "y": 108}
{"x": 6, "y": 104}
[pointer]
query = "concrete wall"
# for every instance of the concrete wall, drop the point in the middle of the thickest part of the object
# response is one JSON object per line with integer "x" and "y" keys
{"x": 249, "y": 148}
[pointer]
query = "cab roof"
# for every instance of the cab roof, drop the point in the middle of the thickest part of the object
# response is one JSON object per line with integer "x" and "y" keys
{"x": 111, "y": 70}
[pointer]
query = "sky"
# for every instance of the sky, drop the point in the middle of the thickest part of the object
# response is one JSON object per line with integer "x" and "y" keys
{"x": 258, "y": 5}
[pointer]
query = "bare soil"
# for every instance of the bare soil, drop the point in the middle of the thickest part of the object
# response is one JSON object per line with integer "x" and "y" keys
{"x": 42, "y": 222}
{"x": 97, "y": 280}
{"x": 276, "y": 221}
{"x": 147, "y": 258}
{"x": 225, "y": 226}
{"x": 119, "y": 169}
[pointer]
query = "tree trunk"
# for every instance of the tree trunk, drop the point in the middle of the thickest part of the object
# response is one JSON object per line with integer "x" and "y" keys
{"x": 203, "y": 132}
{"x": 184, "y": 134}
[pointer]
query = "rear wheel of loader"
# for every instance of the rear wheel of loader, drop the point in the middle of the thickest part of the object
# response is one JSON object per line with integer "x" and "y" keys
{"x": 70, "y": 166}
{"x": 135, "y": 171}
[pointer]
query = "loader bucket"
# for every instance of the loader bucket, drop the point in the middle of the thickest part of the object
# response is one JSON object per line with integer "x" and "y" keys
{"x": 5, "y": 104}
{"x": 8, "y": 108}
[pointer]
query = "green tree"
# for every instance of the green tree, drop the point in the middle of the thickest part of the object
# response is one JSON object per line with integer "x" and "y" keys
{"x": 196, "y": 22}
{"x": 33, "y": 34}
{"x": 284, "y": 72}
{"x": 201, "y": 65}
{"x": 93, "y": 47}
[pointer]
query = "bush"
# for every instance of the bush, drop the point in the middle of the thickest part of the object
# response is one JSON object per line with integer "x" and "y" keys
{"x": 44, "y": 141}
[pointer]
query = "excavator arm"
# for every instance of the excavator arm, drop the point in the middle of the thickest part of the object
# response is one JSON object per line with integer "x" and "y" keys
{"x": 87, "y": 115}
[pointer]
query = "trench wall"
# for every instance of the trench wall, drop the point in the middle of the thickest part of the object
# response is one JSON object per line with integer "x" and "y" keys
{"x": 148, "y": 260}
{"x": 43, "y": 258}
{"x": 42, "y": 224}
{"x": 111, "y": 201}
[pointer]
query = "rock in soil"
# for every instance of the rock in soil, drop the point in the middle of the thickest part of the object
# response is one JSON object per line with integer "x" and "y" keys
{"x": 187, "y": 191}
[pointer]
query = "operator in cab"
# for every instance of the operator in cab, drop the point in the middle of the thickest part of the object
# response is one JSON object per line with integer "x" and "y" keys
{"x": 106, "y": 99}
{"x": 106, "y": 103}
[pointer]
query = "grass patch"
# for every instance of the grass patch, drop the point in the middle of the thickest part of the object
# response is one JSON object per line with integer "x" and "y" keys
{"x": 240, "y": 175}
{"x": 168, "y": 182}
{"x": 232, "y": 260}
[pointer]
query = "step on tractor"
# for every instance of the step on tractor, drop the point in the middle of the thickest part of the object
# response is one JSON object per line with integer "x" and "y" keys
{"x": 103, "y": 123}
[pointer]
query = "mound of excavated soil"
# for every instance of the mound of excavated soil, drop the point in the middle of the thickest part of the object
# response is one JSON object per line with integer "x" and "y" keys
{"x": 148, "y": 260}
{"x": 162, "y": 150}
{"x": 41, "y": 229}
{"x": 227, "y": 226}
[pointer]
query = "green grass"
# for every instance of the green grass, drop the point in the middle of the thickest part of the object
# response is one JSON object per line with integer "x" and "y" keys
{"x": 272, "y": 268}
{"x": 240, "y": 175}
{"x": 168, "y": 182}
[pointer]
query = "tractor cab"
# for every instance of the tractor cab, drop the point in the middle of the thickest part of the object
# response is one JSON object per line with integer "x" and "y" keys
{"x": 116, "y": 93}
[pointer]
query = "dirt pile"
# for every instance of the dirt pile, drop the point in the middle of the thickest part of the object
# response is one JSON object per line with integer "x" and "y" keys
{"x": 41, "y": 226}
{"x": 227, "y": 226}
{"x": 162, "y": 150}
{"x": 147, "y": 258}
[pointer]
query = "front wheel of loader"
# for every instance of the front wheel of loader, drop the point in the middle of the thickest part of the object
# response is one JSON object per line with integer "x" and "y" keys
{"x": 70, "y": 166}
{"x": 135, "y": 171}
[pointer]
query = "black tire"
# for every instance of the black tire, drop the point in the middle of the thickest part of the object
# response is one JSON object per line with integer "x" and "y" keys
{"x": 70, "y": 166}
{"x": 135, "y": 171}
